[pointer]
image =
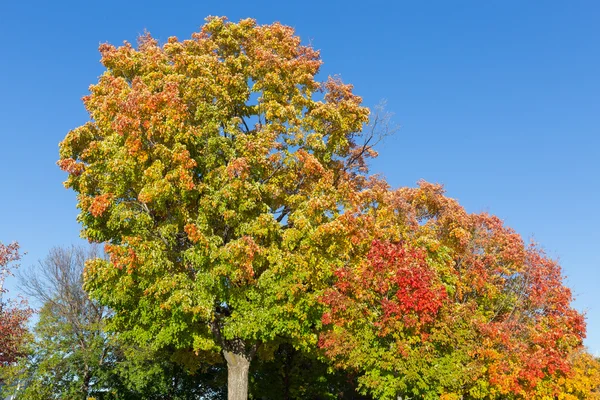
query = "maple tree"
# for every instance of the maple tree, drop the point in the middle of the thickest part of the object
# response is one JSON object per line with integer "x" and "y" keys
{"x": 216, "y": 169}
{"x": 436, "y": 302}
{"x": 13, "y": 314}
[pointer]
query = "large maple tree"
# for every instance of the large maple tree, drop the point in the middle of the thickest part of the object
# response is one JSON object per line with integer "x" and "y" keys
{"x": 436, "y": 302}
{"x": 216, "y": 169}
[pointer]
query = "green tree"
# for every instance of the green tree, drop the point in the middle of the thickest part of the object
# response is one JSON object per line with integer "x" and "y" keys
{"x": 216, "y": 168}
{"x": 72, "y": 357}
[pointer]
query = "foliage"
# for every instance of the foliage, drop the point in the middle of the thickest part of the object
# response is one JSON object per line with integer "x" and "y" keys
{"x": 13, "y": 314}
{"x": 73, "y": 358}
{"x": 230, "y": 187}
{"x": 583, "y": 381}
{"x": 216, "y": 168}
{"x": 292, "y": 374}
{"x": 154, "y": 375}
{"x": 70, "y": 357}
{"x": 442, "y": 303}
{"x": 61, "y": 365}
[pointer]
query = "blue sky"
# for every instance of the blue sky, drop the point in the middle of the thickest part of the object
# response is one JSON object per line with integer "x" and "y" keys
{"x": 497, "y": 100}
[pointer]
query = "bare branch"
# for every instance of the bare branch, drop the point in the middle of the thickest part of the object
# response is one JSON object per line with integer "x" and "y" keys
{"x": 58, "y": 280}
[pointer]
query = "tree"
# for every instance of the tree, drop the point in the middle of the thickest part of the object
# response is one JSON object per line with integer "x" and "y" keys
{"x": 13, "y": 314}
{"x": 216, "y": 168}
{"x": 71, "y": 354}
{"x": 72, "y": 357}
{"x": 437, "y": 302}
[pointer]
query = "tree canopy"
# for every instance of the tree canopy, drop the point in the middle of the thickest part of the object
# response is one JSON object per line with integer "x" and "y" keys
{"x": 451, "y": 304}
{"x": 216, "y": 169}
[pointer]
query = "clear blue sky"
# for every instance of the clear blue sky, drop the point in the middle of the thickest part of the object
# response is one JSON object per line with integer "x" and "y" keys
{"x": 497, "y": 100}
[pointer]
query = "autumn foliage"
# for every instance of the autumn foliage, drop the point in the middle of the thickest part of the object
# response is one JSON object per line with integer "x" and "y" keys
{"x": 215, "y": 169}
{"x": 583, "y": 381}
{"x": 230, "y": 187}
{"x": 13, "y": 314}
{"x": 440, "y": 302}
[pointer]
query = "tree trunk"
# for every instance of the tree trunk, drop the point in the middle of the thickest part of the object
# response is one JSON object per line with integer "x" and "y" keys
{"x": 238, "y": 365}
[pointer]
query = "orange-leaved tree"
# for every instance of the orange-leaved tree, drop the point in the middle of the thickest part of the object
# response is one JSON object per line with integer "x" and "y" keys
{"x": 436, "y": 302}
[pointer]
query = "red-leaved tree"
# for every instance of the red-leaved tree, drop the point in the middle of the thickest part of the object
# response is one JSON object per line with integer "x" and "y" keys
{"x": 438, "y": 303}
{"x": 13, "y": 314}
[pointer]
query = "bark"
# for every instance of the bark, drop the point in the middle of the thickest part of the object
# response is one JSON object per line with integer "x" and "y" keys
{"x": 238, "y": 365}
